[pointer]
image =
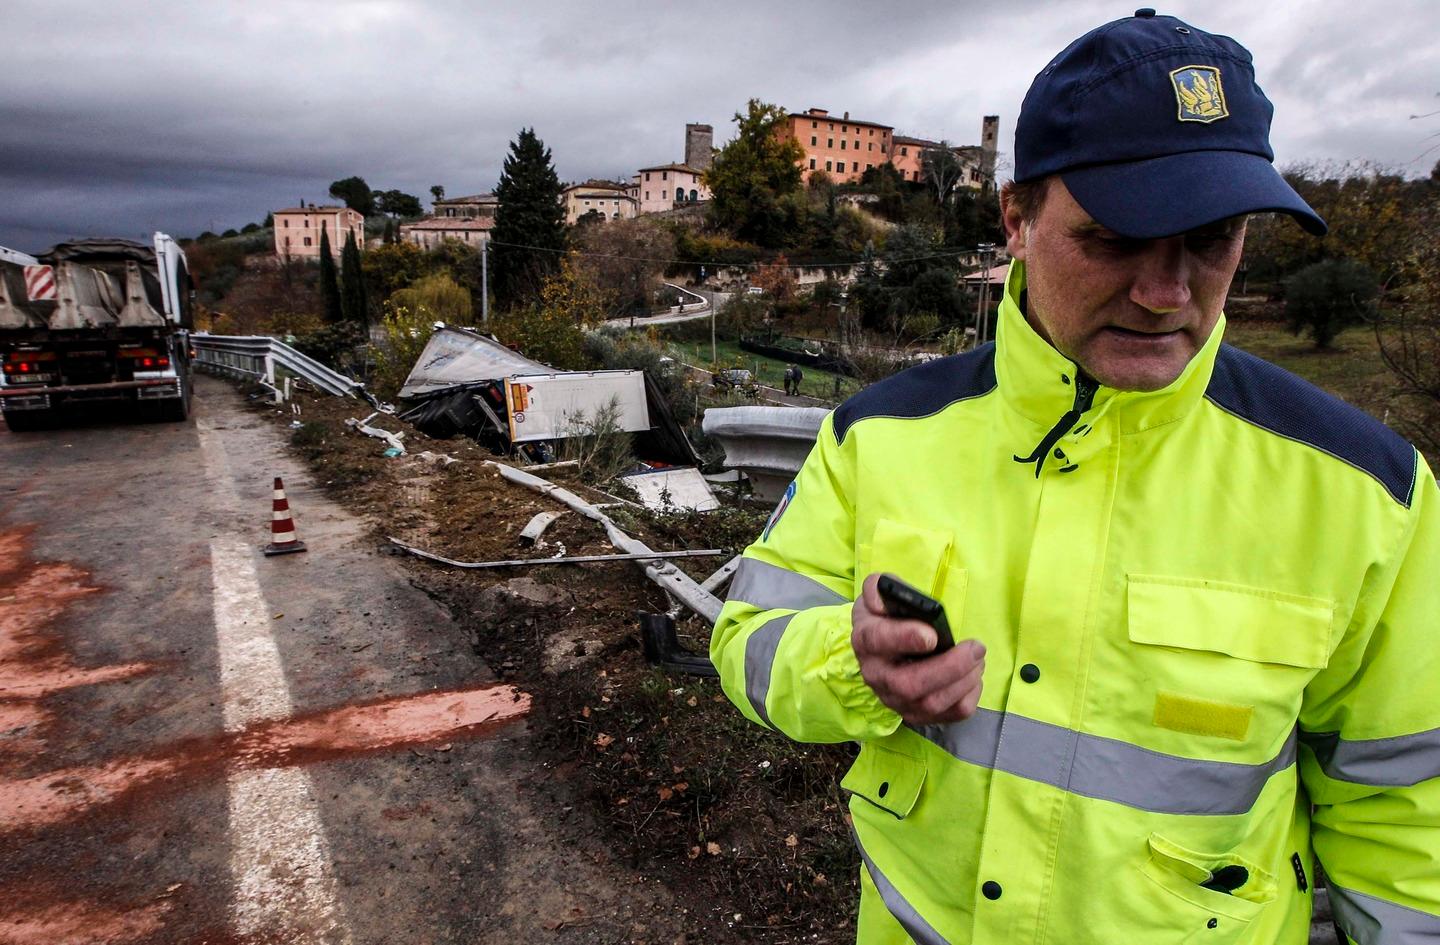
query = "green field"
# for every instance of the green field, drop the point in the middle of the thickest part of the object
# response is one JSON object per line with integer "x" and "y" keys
{"x": 768, "y": 371}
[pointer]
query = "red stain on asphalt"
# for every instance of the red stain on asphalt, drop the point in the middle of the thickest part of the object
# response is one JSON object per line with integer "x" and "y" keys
{"x": 78, "y": 922}
{"x": 66, "y": 794}
{"x": 33, "y": 661}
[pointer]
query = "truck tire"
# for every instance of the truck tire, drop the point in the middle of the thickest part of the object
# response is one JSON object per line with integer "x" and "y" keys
{"x": 176, "y": 410}
{"x": 26, "y": 421}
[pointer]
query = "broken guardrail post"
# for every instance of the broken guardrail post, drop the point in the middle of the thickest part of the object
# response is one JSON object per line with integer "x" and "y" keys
{"x": 663, "y": 647}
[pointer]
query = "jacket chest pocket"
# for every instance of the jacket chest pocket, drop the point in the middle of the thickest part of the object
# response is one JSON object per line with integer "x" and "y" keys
{"x": 921, "y": 557}
{"x": 1225, "y": 660}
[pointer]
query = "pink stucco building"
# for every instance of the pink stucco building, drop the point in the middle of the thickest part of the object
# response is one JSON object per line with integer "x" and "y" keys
{"x": 297, "y": 230}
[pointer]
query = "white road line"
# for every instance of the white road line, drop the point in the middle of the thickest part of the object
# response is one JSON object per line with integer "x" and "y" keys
{"x": 283, "y": 882}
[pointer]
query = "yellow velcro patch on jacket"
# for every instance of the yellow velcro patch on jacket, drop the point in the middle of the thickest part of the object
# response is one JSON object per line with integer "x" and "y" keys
{"x": 1202, "y": 716}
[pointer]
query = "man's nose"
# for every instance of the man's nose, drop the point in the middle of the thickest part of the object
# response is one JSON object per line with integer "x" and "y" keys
{"x": 1162, "y": 283}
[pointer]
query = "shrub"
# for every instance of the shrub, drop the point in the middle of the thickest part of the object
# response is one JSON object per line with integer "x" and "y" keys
{"x": 436, "y": 297}
{"x": 1325, "y": 298}
{"x": 406, "y": 332}
{"x": 596, "y": 442}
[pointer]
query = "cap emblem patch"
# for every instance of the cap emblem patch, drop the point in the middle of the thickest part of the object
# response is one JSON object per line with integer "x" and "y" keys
{"x": 1198, "y": 93}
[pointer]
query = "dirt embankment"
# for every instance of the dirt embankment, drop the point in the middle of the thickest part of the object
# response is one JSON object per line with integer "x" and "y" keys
{"x": 746, "y": 829}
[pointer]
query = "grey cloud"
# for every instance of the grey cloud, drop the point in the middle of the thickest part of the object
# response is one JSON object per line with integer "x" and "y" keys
{"x": 117, "y": 118}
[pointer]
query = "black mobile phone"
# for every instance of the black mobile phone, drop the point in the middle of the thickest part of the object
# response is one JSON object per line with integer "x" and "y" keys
{"x": 906, "y": 603}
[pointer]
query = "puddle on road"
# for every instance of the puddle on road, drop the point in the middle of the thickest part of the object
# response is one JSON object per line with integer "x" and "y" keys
{"x": 66, "y": 794}
{"x": 33, "y": 661}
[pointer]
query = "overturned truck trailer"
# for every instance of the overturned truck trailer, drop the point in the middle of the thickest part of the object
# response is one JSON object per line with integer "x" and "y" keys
{"x": 467, "y": 384}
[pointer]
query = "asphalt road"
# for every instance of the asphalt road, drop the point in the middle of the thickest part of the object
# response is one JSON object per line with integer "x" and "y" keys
{"x": 202, "y": 744}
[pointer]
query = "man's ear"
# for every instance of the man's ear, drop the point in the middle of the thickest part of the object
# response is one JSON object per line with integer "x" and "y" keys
{"x": 1016, "y": 231}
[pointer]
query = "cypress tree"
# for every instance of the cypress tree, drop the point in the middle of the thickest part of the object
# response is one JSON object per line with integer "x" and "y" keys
{"x": 352, "y": 284}
{"x": 529, "y": 214}
{"x": 389, "y": 236}
{"x": 329, "y": 288}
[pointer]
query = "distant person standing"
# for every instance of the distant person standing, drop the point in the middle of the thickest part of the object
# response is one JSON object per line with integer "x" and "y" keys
{"x": 799, "y": 376}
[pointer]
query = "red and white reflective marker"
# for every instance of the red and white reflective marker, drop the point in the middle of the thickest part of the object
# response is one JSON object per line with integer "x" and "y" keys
{"x": 282, "y": 526}
{"x": 40, "y": 283}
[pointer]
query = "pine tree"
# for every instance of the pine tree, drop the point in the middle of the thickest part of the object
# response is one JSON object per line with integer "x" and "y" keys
{"x": 529, "y": 215}
{"x": 329, "y": 287}
{"x": 353, "y": 303}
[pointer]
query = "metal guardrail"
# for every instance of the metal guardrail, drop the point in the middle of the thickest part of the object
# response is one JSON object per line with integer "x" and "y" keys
{"x": 257, "y": 357}
{"x": 768, "y": 444}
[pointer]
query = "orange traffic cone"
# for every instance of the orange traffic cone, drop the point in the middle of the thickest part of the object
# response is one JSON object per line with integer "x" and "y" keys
{"x": 282, "y": 527}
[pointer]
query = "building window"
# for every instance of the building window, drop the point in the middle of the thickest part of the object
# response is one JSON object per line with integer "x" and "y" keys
{"x": 814, "y": 124}
{"x": 872, "y": 132}
{"x": 812, "y": 164}
{"x": 647, "y": 195}
{"x": 840, "y": 167}
{"x": 812, "y": 141}
{"x": 307, "y": 223}
{"x": 647, "y": 175}
{"x": 664, "y": 175}
{"x": 904, "y": 151}
{"x": 882, "y": 147}
{"x": 307, "y": 241}
{"x": 857, "y": 144}
{"x": 287, "y": 242}
{"x": 694, "y": 195}
{"x": 842, "y": 144}
{"x": 829, "y": 142}
{"x": 832, "y": 126}
{"x": 869, "y": 167}
{"x": 845, "y": 129}
{"x": 828, "y": 167}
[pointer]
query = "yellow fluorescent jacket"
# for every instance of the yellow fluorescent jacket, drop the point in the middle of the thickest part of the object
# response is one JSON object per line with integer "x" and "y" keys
{"x": 1207, "y": 610}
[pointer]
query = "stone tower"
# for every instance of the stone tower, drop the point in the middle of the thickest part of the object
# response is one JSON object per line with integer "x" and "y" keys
{"x": 989, "y": 135}
{"x": 699, "y": 145}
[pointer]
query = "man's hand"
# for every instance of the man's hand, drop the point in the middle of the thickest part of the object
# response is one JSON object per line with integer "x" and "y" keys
{"x": 944, "y": 688}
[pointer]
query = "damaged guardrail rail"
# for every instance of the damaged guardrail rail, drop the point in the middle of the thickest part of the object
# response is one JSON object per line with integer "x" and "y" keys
{"x": 256, "y": 358}
{"x": 675, "y": 582}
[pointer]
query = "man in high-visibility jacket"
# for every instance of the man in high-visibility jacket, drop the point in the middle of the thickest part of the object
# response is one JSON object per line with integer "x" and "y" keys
{"x": 1197, "y": 599}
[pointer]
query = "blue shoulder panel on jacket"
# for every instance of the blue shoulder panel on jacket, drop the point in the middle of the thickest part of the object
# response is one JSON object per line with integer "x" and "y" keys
{"x": 922, "y": 390}
{"x": 1272, "y": 398}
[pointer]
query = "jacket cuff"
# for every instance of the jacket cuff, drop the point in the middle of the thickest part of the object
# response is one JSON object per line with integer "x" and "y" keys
{"x": 840, "y": 673}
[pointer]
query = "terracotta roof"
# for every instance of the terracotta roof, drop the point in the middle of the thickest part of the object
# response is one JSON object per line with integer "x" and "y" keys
{"x": 312, "y": 210}
{"x": 927, "y": 143}
{"x": 450, "y": 223}
{"x": 598, "y": 185}
{"x": 843, "y": 121}
{"x": 673, "y": 167}
{"x": 473, "y": 198}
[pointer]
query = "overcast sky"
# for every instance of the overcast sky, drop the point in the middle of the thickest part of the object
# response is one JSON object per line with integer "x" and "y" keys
{"x": 122, "y": 118}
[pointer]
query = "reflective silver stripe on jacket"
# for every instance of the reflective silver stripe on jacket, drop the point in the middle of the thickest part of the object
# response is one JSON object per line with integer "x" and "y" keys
{"x": 1401, "y": 761}
{"x": 910, "y": 920}
{"x": 1372, "y": 921}
{"x": 759, "y": 658}
{"x": 1105, "y": 768}
{"x": 770, "y": 587}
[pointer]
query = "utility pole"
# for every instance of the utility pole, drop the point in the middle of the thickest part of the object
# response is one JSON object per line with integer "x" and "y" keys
{"x": 982, "y": 293}
{"x": 485, "y": 282}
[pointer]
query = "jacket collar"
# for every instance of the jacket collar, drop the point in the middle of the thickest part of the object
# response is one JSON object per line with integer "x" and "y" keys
{"x": 1039, "y": 382}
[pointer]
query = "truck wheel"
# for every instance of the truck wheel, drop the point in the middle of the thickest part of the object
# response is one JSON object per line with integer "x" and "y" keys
{"x": 25, "y": 421}
{"x": 176, "y": 410}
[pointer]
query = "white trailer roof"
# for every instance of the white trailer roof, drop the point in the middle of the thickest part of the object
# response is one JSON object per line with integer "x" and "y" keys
{"x": 456, "y": 356}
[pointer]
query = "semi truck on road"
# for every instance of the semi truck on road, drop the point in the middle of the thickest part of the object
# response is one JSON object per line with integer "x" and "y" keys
{"x": 94, "y": 320}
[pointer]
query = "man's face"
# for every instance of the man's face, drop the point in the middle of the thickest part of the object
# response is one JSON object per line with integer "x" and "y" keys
{"x": 1131, "y": 313}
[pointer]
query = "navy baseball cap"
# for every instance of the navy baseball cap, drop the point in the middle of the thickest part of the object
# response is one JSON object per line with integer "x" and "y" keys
{"x": 1156, "y": 127}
